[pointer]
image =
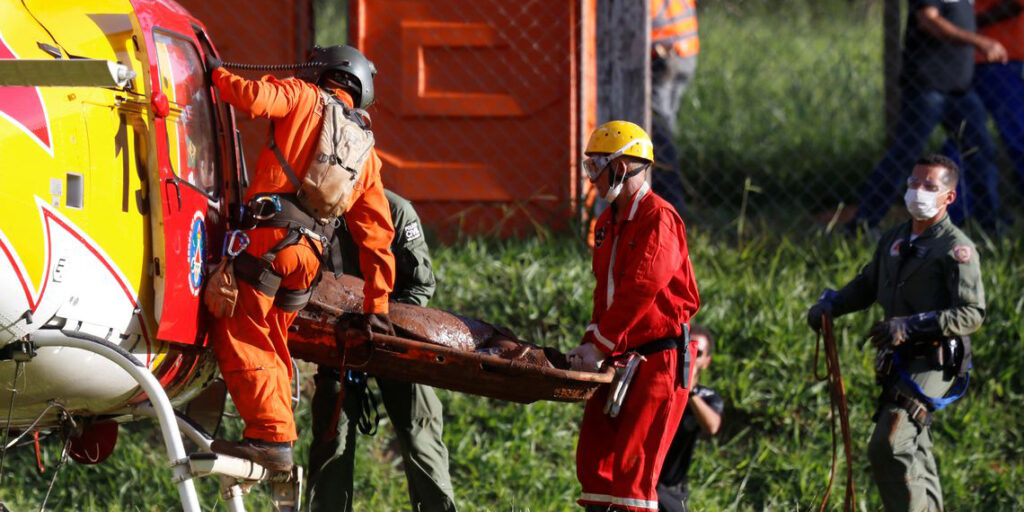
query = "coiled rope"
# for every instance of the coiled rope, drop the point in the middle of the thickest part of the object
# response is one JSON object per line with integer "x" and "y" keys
{"x": 837, "y": 393}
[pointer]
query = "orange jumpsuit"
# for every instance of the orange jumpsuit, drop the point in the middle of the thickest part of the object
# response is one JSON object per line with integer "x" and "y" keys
{"x": 252, "y": 346}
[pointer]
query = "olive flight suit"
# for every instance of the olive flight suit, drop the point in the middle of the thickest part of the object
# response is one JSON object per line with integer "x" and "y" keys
{"x": 937, "y": 272}
{"x": 414, "y": 409}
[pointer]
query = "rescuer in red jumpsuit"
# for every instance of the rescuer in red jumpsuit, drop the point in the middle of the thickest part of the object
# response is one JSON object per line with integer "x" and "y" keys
{"x": 251, "y": 346}
{"x": 645, "y": 295}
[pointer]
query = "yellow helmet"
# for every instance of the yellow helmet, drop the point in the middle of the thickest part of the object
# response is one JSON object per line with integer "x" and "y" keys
{"x": 621, "y": 138}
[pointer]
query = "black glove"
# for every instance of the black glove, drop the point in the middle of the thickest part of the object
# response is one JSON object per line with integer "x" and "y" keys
{"x": 359, "y": 325}
{"x": 379, "y": 323}
{"x": 899, "y": 329}
{"x": 824, "y": 305}
{"x": 212, "y": 63}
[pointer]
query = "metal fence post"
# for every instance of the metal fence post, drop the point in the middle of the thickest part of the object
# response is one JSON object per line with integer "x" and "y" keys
{"x": 624, "y": 61}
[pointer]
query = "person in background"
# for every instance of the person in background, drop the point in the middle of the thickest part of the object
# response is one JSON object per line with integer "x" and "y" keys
{"x": 674, "y": 48}
{"x": 1000, "y": 85}
{"x": 414, "y": 409}
{"x": 938, "y": 63}
{"x": 703, "y": 418}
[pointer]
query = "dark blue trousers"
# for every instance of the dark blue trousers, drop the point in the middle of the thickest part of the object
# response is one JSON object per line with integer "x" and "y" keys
{"x": 1001, "y": 89}
{"x": 963, "y": 116}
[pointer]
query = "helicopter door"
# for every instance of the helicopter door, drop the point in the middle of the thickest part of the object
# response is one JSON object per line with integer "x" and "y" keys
{"x": 190, "y": 188}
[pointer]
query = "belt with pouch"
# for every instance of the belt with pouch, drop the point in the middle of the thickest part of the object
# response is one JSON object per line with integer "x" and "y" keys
{"x": 627, "y": 364}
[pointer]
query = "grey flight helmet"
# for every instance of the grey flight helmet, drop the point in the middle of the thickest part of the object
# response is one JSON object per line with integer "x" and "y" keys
{"x": 345, "y": 65}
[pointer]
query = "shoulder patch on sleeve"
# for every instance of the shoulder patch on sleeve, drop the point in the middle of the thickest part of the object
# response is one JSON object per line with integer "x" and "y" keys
{"x": 963, "y": 253}
{"x": 412, "y": 231}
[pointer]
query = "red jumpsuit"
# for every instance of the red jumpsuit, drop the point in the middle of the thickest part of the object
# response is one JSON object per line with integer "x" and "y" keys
{"x": 252, "y": 346}
{"x": 645, "y": 291}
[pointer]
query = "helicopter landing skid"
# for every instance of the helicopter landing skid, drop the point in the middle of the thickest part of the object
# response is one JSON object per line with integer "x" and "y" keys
{"x": 161, "y": 405}
{"x": 237, "y": 476}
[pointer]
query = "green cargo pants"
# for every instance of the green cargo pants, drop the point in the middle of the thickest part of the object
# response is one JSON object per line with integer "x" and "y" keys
{"x": 415, "y": 413}
{"x": 900, "y": 450}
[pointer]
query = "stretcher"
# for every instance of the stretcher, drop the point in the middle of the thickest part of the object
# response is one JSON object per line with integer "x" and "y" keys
{"x": 435, "y": 348}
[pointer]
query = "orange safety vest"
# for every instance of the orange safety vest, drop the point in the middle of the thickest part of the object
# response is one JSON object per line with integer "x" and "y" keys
{"x": 1009, "y": 33}
{"x": 674, "y": 25}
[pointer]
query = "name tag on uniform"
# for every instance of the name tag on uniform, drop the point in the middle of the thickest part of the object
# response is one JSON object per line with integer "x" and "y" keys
{"x": 412, "y": 232}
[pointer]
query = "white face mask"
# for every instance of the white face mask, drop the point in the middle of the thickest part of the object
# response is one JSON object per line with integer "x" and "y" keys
{"x": 921, "y": 203}
{"x": 613, "y": 192}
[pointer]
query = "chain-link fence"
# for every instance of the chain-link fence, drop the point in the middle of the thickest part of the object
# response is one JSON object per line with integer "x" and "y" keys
{"x": 785, "y": 123}
{"x": 477, "y": 105}
{"x": 796, "y": 118}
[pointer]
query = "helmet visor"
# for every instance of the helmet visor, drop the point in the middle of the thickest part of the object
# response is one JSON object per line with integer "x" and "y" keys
{"x": 596, "y": 164}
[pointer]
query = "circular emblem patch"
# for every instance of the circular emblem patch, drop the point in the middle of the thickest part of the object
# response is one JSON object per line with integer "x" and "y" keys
{"x": 894, "y": 250}
{"x": 962, "y": 253}
{"x": 196, "y": 252}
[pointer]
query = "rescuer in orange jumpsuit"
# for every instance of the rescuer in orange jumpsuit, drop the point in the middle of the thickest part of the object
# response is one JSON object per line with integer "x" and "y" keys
{"x": 644, "y": 298}
{"x": 251, "y": 346}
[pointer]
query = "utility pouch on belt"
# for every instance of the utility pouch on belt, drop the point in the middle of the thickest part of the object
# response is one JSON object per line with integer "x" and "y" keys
{"x": 884, "y": 371}
{"x": 342, "y": 149}
{"x": 683, "y": 361}
{"x": 221, "y": 290}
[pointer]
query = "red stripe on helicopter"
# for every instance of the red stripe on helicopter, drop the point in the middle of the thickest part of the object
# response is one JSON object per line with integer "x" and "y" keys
{"x": 117, "y": 276}
{"x": 23, "y": 107}
{"x": 34, "y": 302}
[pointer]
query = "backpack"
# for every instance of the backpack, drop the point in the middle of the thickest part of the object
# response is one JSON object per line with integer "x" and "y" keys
{"x": 343, "y": 146}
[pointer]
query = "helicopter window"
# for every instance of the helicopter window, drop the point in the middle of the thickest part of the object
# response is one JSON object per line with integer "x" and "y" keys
{"x": 191, "y": 137}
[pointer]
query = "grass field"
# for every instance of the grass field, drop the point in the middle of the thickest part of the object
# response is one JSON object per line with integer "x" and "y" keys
{"x": 772, "y": 454}
{"x": 787, "y": 94}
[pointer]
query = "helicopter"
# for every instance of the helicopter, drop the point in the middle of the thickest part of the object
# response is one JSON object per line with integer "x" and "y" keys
{"x": 118, "y": 170}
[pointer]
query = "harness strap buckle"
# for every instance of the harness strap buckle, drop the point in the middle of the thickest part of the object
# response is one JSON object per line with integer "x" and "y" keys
{"x": 259, "y": 204}
{"x": 916, "y": 410}
{"x": 314, "y": 235}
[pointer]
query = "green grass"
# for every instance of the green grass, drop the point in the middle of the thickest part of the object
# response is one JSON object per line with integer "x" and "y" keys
{"x": 788, "y": 95}
{"x": 331, "y": 22}
{"x": 772, "y": 454}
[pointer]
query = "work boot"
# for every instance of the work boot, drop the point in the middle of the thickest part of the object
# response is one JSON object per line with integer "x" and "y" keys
{"x": 273, "y": 456}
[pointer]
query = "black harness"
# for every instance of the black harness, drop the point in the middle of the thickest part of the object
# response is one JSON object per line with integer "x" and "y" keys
{"x": 285, "y": 211}
{"x": 281, "y": 211}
